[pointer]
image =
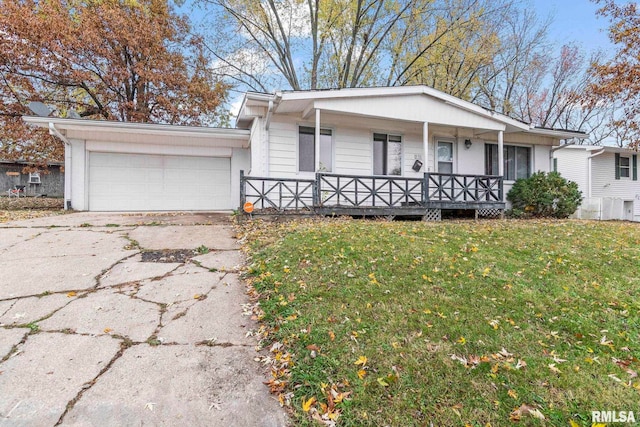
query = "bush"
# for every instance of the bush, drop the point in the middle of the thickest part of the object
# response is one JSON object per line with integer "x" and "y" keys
{"x": 544, "y": 195}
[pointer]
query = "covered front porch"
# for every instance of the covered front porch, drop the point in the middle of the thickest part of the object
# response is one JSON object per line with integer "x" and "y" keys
{"x": 370, "y": 195}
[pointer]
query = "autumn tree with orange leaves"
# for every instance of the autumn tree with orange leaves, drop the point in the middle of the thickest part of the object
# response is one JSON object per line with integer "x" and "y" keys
{"x": 125, "y": 60}
{"x": 618, "y": 80}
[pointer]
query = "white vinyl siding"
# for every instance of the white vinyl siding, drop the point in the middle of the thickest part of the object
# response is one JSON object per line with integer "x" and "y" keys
{"x": 572, "y": 165}
{"x": 604, "y": 182}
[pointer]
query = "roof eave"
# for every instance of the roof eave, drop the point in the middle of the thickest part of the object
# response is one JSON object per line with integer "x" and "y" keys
{"x": 148, "y": 128}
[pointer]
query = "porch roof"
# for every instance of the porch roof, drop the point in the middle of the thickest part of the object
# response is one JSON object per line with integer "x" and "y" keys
{"x": 408, "y": 103}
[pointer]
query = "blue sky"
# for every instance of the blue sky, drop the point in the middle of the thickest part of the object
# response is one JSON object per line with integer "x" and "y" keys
{"x": 575, "y": 21}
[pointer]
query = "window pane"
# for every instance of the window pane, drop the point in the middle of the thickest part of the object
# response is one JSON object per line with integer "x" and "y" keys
{"x": 387, "y": 154}
{"x": 624, "y": 167}
{"x": 394, "y": 157}
{"x": 326, "y": 151}
{"x": 445, "y": 152}
{"x": 445, "y": 167}
{"x": 509, "y": 162}
{"x": 523, "y": 162}
{"x": 306, "y": 150}
{"x": 491, "y": 159}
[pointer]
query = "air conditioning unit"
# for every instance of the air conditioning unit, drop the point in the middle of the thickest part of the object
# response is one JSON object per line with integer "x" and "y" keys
{"x": 34, "y": 178}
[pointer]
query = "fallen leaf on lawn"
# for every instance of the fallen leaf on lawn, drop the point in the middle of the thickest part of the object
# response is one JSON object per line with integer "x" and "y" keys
{"x": 362, "y": 373}
{"x": 525, "y": 409}
{"x": 521, "y": 364}
{"x": 362, "y": 360}
{"x": 512, "y": 394}
{"x": 382, "y": 382}
{"x": 573, "y": 423}
{"x": 615, "y": 378}
{"x": 332, "y": 335}
{"x": 456, "y": 408}
{"x": 553, "y": 368}
{"x": 306, "y": 404}
{"x": 462, "y": 340}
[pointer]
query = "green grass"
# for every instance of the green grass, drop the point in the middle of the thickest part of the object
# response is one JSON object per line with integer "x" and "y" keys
{"x": 460, "y": 322}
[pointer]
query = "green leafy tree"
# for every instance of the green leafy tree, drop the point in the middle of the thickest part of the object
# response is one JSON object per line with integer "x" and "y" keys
{"x": 127, "y": 60}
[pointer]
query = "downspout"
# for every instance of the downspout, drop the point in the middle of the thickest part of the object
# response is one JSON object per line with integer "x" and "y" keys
{"x": 67, "y": 164}
{"x": 273, "y": 105}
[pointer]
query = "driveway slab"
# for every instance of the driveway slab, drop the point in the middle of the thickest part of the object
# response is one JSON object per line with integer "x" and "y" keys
{"x": 49, "y": 371}
{"x": 178, "y": 386}
{"x": 179, "y": 287}
{"x": 9, "y": 338}
{"x": 107, "y": 312}
{"x": 222, "y": 260}
{"x": 27, "y": 310}
{"x": 214, "y": 318}
{"x": 133, "y": 270}
{"x": 112, "y": 340}
{"x": 181, "y": 237}
{"x": 59, "y": 260}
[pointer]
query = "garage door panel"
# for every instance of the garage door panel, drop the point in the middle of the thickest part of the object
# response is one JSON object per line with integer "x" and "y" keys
{"x": 138, "y": 182}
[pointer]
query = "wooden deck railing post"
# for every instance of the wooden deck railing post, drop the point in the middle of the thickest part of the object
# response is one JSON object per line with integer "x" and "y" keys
{"x": 243, "y": 191}
{"x": 425, "y": 188}
{"x": 316, "y": 189}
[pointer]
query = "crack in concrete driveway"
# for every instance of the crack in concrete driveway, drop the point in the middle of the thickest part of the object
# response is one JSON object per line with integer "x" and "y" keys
{"x": 91, "y": 335}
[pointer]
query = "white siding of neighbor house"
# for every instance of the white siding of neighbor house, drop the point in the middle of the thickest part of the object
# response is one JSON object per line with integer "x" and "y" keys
{"x": 610, "y": 198}
{"x": 572, "y": 165}
{"x": 604, "y": 182}
{"x": 614, "y": 192}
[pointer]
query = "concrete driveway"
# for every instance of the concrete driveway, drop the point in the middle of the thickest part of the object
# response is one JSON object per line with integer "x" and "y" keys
{"x": 113, "y": 320}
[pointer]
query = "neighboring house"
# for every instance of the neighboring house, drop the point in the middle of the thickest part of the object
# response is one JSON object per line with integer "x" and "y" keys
{"x": 48, "y": 183}
{"x": 607, "y": 177}
{"x": 413, "y": 148}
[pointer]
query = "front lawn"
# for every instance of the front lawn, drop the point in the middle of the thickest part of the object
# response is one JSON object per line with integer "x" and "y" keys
{"x": 453, "y": 323}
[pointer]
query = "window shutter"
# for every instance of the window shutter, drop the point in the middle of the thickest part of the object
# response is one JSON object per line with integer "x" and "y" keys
{"x": 555, "y": 164}
{"x": 634, "y": 161}
{"x": 617, "y": 165}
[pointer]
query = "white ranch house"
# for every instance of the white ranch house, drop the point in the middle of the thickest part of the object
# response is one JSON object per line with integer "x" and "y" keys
{"x": 608, "y": 179}
{"x": 397, "y": 150}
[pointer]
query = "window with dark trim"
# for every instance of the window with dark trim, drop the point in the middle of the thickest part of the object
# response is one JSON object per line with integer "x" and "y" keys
{"x": 626, "y": 167}
{"x": 307, "y": 149}
{"x": 387, "y": 154}
{"x": 517, "y": 161}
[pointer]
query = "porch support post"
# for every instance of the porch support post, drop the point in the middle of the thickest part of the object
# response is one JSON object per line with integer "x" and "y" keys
{"x": 425, "y": 146}
{"x": 501, "y": 153}
{"x": 317, "y": 139}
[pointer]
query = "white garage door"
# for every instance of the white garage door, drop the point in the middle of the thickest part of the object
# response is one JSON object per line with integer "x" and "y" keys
{"x": 141, "y": 182}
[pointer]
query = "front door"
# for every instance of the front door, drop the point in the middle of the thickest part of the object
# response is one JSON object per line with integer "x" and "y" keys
{"x": 445, "y": 157}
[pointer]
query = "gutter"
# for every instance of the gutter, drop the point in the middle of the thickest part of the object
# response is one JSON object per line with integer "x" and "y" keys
{"x": 273, "y": 105}
{"x": 67, "y": 164}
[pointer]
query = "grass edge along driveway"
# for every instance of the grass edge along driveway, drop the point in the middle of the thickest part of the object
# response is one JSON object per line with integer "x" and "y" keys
{"x": 452, "y": 323}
